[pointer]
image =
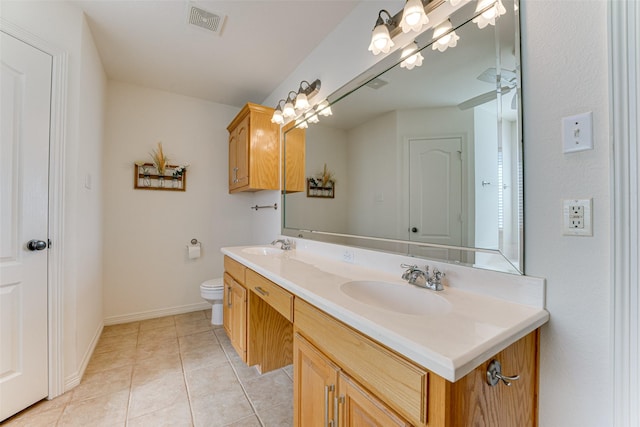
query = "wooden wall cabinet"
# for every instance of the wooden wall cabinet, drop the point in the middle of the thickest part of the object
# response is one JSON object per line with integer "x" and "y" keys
{"x": 254, "y": 150}
{"x": 293, "y": 164}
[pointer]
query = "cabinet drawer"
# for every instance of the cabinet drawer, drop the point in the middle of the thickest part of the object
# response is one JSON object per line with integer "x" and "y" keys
{"x": 399, "y": 383}
{"x": 235, "y": 269}
{"x": 274, "y": 295}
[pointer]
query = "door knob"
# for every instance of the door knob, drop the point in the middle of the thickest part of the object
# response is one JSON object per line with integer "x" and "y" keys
{"x": 414, "y": 229}
{"x": 36, "y": 245}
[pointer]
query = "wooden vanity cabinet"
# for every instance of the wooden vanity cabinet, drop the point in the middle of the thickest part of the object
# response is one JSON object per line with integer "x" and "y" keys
{"x": 269, "y": 324}
{"x": 254, "y": 150}
{"x": 378, "y": 387}
{"x": 324, "y": 394}
{"x": 234, "y": 311}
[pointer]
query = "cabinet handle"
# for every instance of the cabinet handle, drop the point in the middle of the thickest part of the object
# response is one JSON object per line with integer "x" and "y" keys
{"x": 327, "y": 389}
{"x": 261, "y": 291}
{"x": 336, "y": 409}
{"x": 229, "y": 296}
{"x": 494, "y": 374}
{"x": 235, "y": 175}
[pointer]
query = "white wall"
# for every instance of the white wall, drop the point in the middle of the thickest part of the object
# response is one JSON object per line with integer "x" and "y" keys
{"x": 565, "y": 72}
{"x": 564, "y": 51}
{"x": 64, "y": 26}
{"x": 324, "y": 145}
{"x": 373, "y": 201}
{"x": 146, "y": 268}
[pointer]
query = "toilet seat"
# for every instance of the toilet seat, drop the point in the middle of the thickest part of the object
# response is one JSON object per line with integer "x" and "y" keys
{"x": 212, "y": 284}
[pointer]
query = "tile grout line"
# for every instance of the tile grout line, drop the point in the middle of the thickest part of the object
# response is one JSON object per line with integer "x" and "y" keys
{"x": 244, "y": 390}
{"x": 186, "y": 384}
{"x": 133, "y": 368}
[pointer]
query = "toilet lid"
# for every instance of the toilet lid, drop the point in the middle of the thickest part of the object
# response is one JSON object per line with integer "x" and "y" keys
{"x": 212, "y": 283}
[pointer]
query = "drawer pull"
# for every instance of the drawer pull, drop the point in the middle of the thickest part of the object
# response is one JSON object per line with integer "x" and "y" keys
{"x": 261, "y": 291}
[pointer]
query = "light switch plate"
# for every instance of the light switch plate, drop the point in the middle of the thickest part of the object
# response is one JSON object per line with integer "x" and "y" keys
{"x": 577, "y": 133}
{"x": 577, "y": 218}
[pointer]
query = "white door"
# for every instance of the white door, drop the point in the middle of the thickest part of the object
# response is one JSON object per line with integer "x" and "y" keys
{"x": 435, "y": 193}
{"x": 25, "y": 78}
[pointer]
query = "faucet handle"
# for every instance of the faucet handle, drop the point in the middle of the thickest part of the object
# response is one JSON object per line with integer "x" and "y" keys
{"x": 435, "y": 279}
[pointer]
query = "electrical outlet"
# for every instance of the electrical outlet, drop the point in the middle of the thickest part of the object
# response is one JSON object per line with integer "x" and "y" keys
{"x": 349, "y": 256}
{"x": 577, "y": 217}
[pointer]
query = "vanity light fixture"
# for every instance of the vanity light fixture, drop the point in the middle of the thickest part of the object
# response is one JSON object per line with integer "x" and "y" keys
{"x": 413, "y": 58}
{"x": 413, "y": 16}
{"x": 444, "y": 37}
{"x": 278, "y": 117}
{"x": 381, "y": 38}
{"x": 297, "y": 103}
{"x": 490, "y": 10}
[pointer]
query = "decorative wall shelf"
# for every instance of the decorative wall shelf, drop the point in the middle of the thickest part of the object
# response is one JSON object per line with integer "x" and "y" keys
{"x": 315, "y": 189}
{"x": 146, "y": 177}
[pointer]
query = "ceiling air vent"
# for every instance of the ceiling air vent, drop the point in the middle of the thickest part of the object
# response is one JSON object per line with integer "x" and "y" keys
{"x": 206, "y": 20}
{"x": 376, "y": 83}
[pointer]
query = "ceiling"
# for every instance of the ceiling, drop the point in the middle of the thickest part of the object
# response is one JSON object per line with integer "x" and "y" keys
{"x": 149, "y": 43}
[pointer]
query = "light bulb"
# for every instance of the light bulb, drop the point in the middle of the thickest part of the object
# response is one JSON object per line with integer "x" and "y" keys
{"x": 411, "y": 59}
{"x": 324, "y": 109}
{"x": 488, "y": 17}
{"x": 381, "y": 40}
{"x": 302, "y": 103}
{"x": 413, "y": 16}
{"x": 277, "y": 118}
{"x": 301, "y": 124}
{"x": 288, "y": 110}
{"x": 445, "y": 38}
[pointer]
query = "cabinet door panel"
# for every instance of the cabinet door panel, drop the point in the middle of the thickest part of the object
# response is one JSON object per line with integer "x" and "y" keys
{"x": 235, "y": 315}
{"x": 315, "y": 380}
{"x": 358, "y": 408}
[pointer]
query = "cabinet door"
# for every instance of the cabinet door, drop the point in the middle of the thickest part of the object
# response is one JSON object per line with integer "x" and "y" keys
{"x": 314, "y": 386}
{"x": 239, "y": 155}
{"x": 235, "y": 315}
{"x": 358, "y": 408}
{"x": 293, "y": 162}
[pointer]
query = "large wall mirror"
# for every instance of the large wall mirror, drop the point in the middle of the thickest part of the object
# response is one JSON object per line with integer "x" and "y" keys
{"x": 427, "y": 161}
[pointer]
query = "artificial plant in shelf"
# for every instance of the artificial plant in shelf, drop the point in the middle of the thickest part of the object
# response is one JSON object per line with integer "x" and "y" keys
{"x": 160, "y": 161}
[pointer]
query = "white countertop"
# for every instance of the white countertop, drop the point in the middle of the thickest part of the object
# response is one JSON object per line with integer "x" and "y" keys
{"x": 450, "y": 344}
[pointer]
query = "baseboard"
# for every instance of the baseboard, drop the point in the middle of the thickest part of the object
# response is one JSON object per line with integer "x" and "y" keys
{"x": 152, "y": 314}
{"x": 74, "y": 380}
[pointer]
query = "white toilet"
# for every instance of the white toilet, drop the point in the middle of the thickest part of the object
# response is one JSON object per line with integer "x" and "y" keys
{"x": 212, "y": 291}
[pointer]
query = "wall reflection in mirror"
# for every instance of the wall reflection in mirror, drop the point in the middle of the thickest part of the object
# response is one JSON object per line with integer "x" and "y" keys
{"x": 424, "y": 161}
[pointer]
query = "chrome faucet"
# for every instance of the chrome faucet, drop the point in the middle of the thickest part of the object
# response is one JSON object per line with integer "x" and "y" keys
{"x": 418, "y": 277}
{"x": 285, "y": 244}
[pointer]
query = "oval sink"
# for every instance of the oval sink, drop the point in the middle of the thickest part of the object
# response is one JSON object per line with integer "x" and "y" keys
{"x": 398, "y": 298}
{"x": 259, "y": 250}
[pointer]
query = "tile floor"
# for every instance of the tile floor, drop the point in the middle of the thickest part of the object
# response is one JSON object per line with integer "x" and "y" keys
{"x": 170, "y": 371}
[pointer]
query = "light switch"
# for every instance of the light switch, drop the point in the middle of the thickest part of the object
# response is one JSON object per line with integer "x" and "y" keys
{"x": 577, "y": 133}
